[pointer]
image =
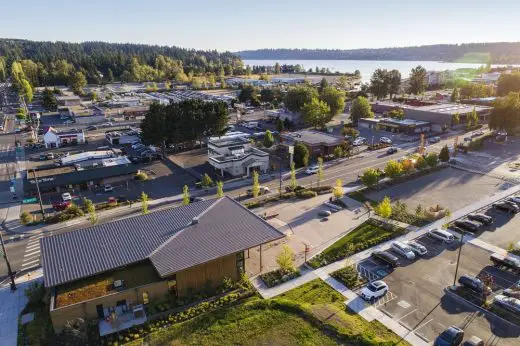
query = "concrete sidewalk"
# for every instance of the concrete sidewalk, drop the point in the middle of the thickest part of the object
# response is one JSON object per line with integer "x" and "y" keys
{"x": 12, "y": 305}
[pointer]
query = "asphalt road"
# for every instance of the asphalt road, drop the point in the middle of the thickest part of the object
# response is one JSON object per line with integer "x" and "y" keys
{"x": 25, "y": 253}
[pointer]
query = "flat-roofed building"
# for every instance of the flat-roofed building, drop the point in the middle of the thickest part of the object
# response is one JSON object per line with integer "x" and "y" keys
{"x": 54, "y": 138}
{"x": 236, "y": 156}
{"x": 319, "y": 143}
{"x": 440, "y": 115}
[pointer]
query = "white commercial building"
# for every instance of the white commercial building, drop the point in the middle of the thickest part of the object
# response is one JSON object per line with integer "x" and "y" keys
{"x": 236, "y": 156}
{"x": 55, "y": 139}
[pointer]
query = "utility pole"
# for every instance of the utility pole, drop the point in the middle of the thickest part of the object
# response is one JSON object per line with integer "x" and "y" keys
{"x": 39, "y": 195}
{"x": 9, "y": 270}
{"x": 280, "y": 188}
{"x": 458, "y": 258}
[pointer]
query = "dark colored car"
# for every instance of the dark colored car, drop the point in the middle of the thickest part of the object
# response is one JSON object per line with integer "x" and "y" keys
{"x": 452, "y": 336}
{"x": 507, "y": 206}
{"x": 467, "y": 225}
{"x": 386, "y": 257}
{"x": 391, "y": 150}
{"x": 474, "y": 284}
{"x": 482, "y": 218}
{"x": 60, "y": 205}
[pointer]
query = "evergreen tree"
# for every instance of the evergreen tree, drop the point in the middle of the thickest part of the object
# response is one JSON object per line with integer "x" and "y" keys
{"x": 185, "y": 195}
{"x": 444, "y": 155}
{"x": 268, "y": 139}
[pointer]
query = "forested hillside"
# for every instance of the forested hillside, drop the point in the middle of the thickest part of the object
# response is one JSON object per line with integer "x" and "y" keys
{"x": 499, "y": 53}
{"x": 47, "y": 63}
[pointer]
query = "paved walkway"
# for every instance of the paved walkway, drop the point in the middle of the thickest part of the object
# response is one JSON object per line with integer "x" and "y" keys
{"x": 12, "y": 304}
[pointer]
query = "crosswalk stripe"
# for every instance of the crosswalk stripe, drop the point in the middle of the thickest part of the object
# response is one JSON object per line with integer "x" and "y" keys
{"x": 32, "y": 253}
{"x": 32, "y": 261}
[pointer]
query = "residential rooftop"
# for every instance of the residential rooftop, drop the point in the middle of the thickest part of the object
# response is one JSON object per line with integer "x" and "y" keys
{"x": 172, "y": 239}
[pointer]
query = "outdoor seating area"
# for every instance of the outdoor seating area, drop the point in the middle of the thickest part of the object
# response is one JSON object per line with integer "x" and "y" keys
{"x": 120, "y": 318}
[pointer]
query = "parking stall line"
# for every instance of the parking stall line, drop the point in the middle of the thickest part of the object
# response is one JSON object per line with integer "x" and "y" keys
{"x": 404, "y": 316}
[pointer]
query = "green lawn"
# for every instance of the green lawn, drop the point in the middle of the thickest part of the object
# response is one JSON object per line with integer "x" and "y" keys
{"x": 328, "y": 305}
{"x": 361, "y": 234}
{"x": 313, "y": 314}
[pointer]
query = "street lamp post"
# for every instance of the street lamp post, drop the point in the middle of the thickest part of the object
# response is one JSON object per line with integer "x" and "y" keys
{"x": 458, "y": 258}
{"x": 39, "y": 194}
{"x": 9, "y": 270}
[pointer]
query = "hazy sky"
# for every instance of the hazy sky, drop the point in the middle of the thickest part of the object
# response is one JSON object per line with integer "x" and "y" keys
{"x": 237, "y": 25}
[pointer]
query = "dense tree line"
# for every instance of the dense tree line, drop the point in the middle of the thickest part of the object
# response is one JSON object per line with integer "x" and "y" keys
{"x": 506, "y": 113}
{"x": 186, "y": 121}
{"x": 498, "y": 52}
{"x": 384, "y": 82}
{"x": 508, "y": 83}
{"x": 48, "y": 63}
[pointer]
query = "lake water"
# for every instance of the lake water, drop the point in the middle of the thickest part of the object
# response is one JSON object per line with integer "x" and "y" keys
{"x": 367, "y": 67}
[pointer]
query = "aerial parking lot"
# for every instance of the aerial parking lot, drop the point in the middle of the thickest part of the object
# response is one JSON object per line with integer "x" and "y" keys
{"x": 417, "y": 299}
{"x": 452, "y": 188}
{"x": 504, "y": 231}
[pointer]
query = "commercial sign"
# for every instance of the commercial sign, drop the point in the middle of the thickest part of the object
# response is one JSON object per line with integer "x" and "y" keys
{"x": 29, "y": 200}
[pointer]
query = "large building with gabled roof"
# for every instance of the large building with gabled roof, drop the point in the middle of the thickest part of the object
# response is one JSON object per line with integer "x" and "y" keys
{"x": 110, "y": 271}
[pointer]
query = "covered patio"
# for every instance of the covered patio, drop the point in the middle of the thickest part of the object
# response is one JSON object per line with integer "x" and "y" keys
{"x": 120, "y": 318}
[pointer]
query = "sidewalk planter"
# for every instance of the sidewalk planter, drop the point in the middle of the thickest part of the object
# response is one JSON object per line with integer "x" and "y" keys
{"x": 278, "y": 277}
{"x": 370, "y": 233}
{"x": 349, "y": 277}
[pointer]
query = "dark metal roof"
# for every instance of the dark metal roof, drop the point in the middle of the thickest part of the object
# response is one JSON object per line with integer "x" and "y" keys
{"x": 224, "y": 228}
{"x": 169, "y": 238}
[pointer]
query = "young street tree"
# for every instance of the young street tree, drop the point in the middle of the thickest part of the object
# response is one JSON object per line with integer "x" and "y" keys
{"x": 220, "y": 189}
{"x": 455, "y": 119}
{"x": 285, "y": 259}
{"x": 454, "y": 95}
{"x": 144, "y": 203}
{"x": 338, "y": 191}
{"x": 417, "y": 81}
{"x": 316, "y": 113}
{"x": 268, "y": 139}
{"x": 185, "y": 195}
{"x": 393, "y": 169}
{"x": 293, "y": 183}
{"x": 255, "y": 189}
{"x": 432, "y": 159}
{"x": 301, "y": 155}
{"x": 91, "y": 210}
{"x": 360, "y": 109}
{"x": 320, "y": 174}
{"x": 338, "y": 152}
{"x": 370, "y": 177}
{"x": 384, "y": 208}
{"x": 444, "y": 155}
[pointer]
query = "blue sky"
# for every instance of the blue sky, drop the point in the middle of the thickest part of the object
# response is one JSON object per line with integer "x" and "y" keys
{"x": 237, "y": 25}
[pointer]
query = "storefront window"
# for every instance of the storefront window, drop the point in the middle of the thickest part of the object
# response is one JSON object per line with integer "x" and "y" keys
{"x": 240, "y": 263}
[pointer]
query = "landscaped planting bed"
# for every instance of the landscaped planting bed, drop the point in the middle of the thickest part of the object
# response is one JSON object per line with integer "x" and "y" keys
{"x": 366, "y": 235}
{"x": 299, "y": 192}
{"x": 278, "y": 277}
{"x": 349, "y": 277}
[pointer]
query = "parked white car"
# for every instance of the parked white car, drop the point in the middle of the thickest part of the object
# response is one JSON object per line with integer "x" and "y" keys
{"x": 442, "y": 235}
{"x": 403, "y": 250}
{"x": 66, "y": 197}
{"x": 385, "y": 140}
{"x": 359, "y": 141}
{"x": 108, "y": 188}
{"x": 374, "y": 290}
{"x": 312, "y": 169}
{"x": 418, "y": 249}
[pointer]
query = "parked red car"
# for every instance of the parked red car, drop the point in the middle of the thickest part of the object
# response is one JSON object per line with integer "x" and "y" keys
{"x": 60, "y": 205}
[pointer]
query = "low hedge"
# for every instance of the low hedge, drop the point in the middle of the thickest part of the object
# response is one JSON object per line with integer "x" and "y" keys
{"x": 70, "y": 213}
{"x": 348, "y": 276}
{"x": 278, "y": 277}
{"x": 304, "y": 194}
{"x": 378, "y": 146}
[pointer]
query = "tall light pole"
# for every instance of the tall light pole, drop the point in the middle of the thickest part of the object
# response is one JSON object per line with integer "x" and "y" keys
{"x": 458, "y": 258}
{"x": 39, "y": 195}
{"x": 9, "y": 270}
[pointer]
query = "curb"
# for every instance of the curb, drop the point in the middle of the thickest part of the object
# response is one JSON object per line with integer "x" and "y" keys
{"x": 481, "y": 309}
